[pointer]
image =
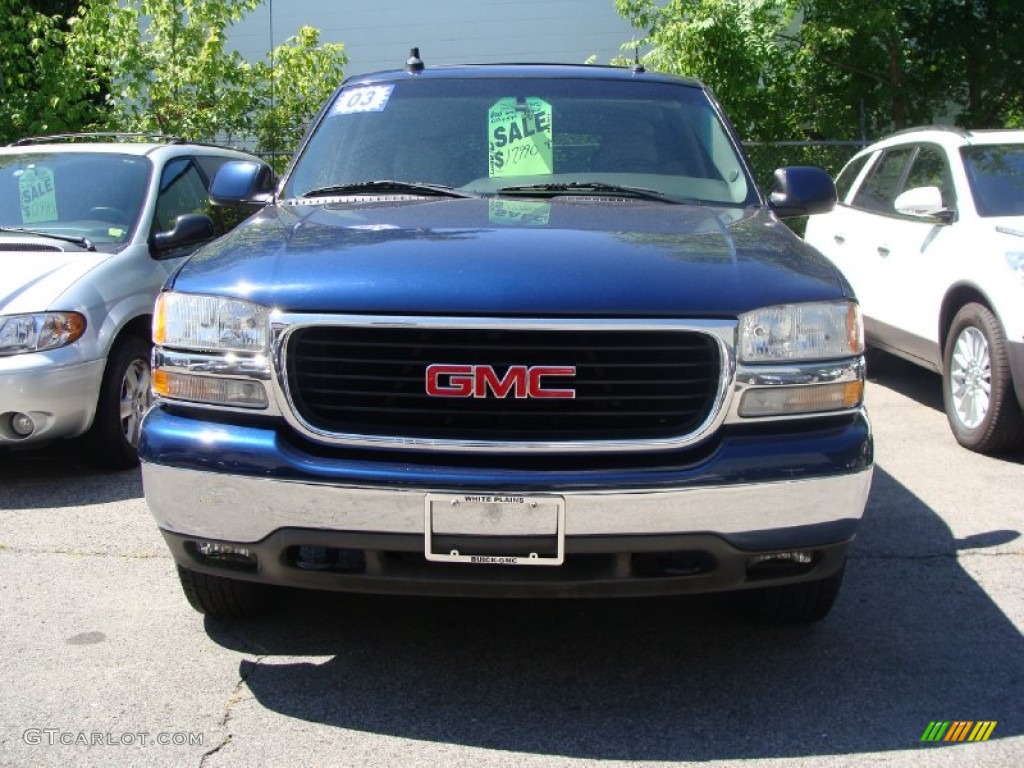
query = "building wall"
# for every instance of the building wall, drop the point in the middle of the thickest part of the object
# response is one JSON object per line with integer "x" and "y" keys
{"x": 379, "y": 33}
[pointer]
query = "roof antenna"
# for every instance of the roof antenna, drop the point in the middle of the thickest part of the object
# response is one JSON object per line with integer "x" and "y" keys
{"x": 414, "y": 63}
{"x": 638, "y": 68}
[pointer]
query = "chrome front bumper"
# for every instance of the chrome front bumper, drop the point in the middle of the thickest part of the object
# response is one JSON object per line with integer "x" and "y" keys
{"x": 235, "y": 508}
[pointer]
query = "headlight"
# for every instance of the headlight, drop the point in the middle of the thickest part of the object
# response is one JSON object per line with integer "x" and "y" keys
{"x": 40, "y": 331}
{"x": 817, "y": 331}
{"x": 210, "y": 323}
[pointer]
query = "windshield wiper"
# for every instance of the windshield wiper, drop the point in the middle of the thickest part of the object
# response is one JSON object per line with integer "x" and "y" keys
{"x": 85, "y": 242}
{"x": 384, "y": 186}
{"x": 598, "y": 187}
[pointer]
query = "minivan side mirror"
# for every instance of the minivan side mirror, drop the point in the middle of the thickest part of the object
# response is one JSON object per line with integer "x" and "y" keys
{"x": 189, "y": 229}
{"x": 802, "y": 190}
{"x": 241, "y": 182}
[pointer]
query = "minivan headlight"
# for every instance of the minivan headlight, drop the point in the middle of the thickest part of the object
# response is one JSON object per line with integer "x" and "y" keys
{"x": 39, "y": 331}
{"x": 210, "y": 323}
{"x": 812, "y": 331}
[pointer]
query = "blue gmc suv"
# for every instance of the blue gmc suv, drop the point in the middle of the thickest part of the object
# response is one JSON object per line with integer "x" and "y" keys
{"x": 511, "y": 330}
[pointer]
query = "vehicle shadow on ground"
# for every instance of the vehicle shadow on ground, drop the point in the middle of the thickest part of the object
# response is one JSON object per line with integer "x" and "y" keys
{"x": 60, "y": 474}
{"x": 909, "y": 380}
{"x": 913, "y": 638}
{"x": 920, "y": 385}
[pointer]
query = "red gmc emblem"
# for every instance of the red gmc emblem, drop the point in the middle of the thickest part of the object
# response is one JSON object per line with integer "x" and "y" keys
{"x": 522, "y": 381}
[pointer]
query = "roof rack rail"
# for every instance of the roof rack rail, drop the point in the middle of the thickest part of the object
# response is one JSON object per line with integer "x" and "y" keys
{"x": 950, "y": 128}
{"x": 100, "y": 136}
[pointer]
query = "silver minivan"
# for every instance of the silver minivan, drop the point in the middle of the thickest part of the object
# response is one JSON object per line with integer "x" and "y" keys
{"x": 90, "y": 227}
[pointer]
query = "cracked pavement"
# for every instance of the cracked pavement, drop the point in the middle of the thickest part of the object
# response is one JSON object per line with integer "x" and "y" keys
{"x": 99, "y": 649}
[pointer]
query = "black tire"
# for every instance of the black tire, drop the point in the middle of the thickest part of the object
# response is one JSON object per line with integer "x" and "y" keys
{"x": 223, "y": 598}
{"x": 124, "y": 398}
{"x": 975, "y": 357}
{"x": 804, "y": 602}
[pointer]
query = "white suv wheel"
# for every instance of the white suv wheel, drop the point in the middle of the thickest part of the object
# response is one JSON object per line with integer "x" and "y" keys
{"x": 971, "y": 377}
{"x": 978, "y": 392}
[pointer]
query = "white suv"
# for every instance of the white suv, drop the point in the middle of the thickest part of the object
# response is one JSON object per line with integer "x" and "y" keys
{"x": 90, "y": 227}
{"x": 929, "y": 231}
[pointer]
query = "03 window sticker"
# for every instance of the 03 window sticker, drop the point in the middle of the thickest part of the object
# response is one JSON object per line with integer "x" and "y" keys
{"x": 367, "y": 98}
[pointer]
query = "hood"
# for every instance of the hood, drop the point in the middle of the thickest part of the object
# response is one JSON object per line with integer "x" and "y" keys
{"x": 500, "y": 257}
{"x": 31, "y": 281}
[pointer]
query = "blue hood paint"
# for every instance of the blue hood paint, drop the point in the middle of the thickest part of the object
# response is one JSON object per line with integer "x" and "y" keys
{"x": 561, "y": 258}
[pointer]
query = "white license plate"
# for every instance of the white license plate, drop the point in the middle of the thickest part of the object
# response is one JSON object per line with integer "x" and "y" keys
{"x": 494, "y": 529}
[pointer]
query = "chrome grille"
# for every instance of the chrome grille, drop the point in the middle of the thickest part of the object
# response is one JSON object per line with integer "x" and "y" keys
{"x": 630, "y": 384}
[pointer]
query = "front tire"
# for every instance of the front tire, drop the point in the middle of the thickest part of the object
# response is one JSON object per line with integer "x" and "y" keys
{"x": 223, "y": 598}
{"x": 977, "y": 385}
{"x": 125, "y": 397}
{"x": 804, "y": 602}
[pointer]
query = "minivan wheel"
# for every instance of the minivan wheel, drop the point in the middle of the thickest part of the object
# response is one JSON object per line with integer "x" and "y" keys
{"x": 125, "y": 396}
{"x": 977, "y": 385}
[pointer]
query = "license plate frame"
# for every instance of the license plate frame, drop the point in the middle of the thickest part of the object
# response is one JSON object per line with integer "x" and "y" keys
{"x": 475, "y": 517}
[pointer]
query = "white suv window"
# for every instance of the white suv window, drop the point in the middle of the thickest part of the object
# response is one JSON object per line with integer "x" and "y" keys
{"x": 884, "y": 182}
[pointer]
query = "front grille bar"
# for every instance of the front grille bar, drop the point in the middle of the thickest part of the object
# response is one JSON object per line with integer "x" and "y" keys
{"x": 614, "y": 409}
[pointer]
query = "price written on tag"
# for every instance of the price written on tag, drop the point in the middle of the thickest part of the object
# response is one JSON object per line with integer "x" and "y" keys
{"x": 519, "y": 137}
{"x": 38, "y": 196}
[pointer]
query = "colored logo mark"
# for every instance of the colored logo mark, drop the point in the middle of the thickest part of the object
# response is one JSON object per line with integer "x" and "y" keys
{"x": 958, "y": 730}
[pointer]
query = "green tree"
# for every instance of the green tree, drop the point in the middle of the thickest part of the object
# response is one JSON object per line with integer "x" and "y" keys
{"x": 736, "y": 47}
{"x": 43, "y": 89}
{"x": 174, "y": 75}
{"x": 157, "y": 66}
{"x": 975, "y": 50}
{"x": 843, "y": 68}
{"x": 290, "y": 88}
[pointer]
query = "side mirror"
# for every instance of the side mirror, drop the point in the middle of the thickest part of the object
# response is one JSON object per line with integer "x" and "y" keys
{"x": 189, "y": 229}
{"x": 240, "y": 182}
{"x": 802, "y": 190}
{"x": 923, "y": 202}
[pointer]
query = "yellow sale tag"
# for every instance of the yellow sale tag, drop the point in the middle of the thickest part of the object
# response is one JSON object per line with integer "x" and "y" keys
{"x": 519, "y": 137}
{"x": 38, "y": 196}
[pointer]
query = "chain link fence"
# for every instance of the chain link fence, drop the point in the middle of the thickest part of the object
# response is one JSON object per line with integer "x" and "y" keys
{"x": 766, "y": 156}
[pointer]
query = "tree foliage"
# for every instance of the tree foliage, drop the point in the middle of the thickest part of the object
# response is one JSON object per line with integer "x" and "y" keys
{"x": 42, "y": 90}
{"x": 156, "y": 66}
{"x": 292, "y": 86}
{"x": 733, "y": 46}
{"x": 176, "y": 76}
{"x": 842, "y": 68}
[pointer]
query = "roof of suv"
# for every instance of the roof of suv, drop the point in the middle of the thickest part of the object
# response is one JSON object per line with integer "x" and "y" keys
{"x": 554, "y": 71}
{"x": 949, "y": 134}
{"x": 119, "y": 143}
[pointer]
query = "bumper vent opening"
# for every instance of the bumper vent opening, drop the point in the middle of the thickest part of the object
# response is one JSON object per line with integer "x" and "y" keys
{"x": 314, "y": 558}
{"x": 660, "y": 564}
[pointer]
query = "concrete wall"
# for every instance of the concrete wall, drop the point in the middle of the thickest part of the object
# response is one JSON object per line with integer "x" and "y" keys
{"x": 379, "y": 33}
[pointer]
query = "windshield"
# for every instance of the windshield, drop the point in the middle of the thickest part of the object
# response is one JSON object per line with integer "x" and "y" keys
{"x": 483, "y": 135}
{"x": 73, "y": 194}
{"x": 996, "y": 176}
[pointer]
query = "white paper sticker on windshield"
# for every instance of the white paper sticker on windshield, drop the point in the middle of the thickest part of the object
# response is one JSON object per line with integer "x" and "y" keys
{"x": 38, "y": 196}
{"x": 519, "y": 137}
{"x": 368, "y": 98}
